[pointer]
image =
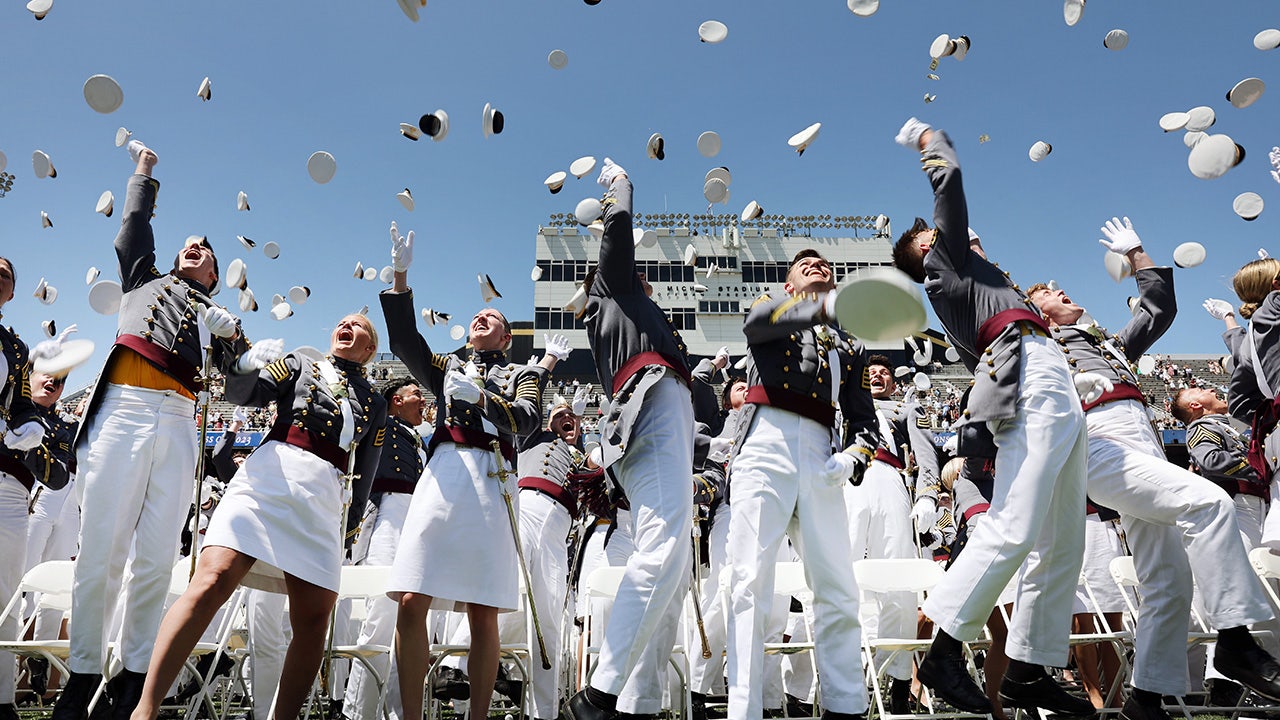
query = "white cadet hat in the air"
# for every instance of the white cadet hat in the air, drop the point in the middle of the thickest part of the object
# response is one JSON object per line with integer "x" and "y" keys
{"x": 105, "y": 296}
{"x": 206, "y": 90}
{"x": 103, "y": 94}
{"x": 321, "y": 166}
{"x": 801, "y": 140}
{"x": 42, "y": 165}
{"x": 492, "y": 121}
{"x": 1248, "y": 205}
{"x": 709, "y": 143}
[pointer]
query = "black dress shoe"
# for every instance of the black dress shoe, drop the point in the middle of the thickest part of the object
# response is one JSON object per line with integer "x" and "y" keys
{"x": 833, "y": 715}
{"x": 1224, "y": 693}
{"x": 450, "y": 684}
{"x": 126, "y": 691}
{"x": 1249, "y": 665}
{"x": 580, "y": 707}
{"x": 511, "y": 689}
{"x": 1045, "y": 694}
{"x": 798, "y": 708}
{"x": 1135, "y": 710}
{"x": 38, "y": 675}
{"x": 900, "y": 697}
{"x": 73, "y": 704}
{"x": 8, "y": 711}
{"x": 946, "y": 675}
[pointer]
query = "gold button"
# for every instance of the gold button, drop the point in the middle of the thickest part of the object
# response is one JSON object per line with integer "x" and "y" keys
{"x": 786, "y": 386}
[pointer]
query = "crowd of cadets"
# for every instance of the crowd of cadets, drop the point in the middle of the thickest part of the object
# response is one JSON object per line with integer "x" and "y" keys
{"x": 699, "y": 481}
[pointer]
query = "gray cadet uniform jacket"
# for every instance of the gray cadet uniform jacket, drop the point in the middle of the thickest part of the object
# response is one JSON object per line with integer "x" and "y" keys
{"x": 631, "y": 338}
{"x": 545, "y": 463}
{"x": 1220, "y": 455}
{"x": 403, "y": 459}
{"x": 1262, "y": 336}
{"x": 789, "y": 367}
{"x": 158, "y": 313}
{"x": 1090, "y": 348}
{"x": 308, "y": 415}
{"x": 512, "y": 396}
{"x": 910, "y": 427}
{"x": 977, "y": 302}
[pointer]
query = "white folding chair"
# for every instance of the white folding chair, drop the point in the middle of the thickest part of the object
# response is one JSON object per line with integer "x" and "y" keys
{"x": 359, "y": 583}
{"x": 520, "y": 654}
{"x": 602, "y": 584}
{"x": 53, "y": 580}
{"x": 914, "y": 575}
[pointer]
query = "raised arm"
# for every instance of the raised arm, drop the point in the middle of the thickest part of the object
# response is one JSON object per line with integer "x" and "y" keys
{"x": 772, "y": 319}
{"x": 950, "y": 211}
{"x": 617, "y": 268}
{"x": 136, "y": 243}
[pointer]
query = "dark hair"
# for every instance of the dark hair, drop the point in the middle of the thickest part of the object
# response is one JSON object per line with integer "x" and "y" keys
{"x": 881, "y": 360}
{"x": 12, "y": 272}
{"x": 906, "y": 256}
{"x": 728, "y": 388}
{"x": 395, "y": 386}
{"x": 1178, "y": 410}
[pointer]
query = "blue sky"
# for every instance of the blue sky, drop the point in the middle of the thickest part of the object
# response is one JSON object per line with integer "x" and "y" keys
{"x": 290, "y": 79}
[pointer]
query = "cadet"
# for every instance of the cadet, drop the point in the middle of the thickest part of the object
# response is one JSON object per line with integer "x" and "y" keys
{"x": 456, "y": 550}
{"x": 281, "y": 525}
{"x": 881, "y": 511}
{"x": 1178, "y": 527}
{"x": 136, "y": 449}
{"x": 1023, "y": 395}
{"x": 403, "y": 458}
{"x": 807, "y": 389}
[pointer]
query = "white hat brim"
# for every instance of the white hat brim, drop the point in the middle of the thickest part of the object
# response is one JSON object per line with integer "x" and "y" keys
{"x": 880, "y": 305}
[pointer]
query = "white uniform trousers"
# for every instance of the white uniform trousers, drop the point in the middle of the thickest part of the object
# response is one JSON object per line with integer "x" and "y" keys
{"x": 1036, "y": 518}
{"x": 136, "y": 477}
{"x": 642, "y": 693}
{"x": 380, "y": 616}
{"x": 656, "y": 473}
{"x": 52, "y": 532}
{"x": 544, "y": 530}
{"x": 777, "y": 491}
{"x": 1179, "y": 526}
{"x": 880, "y": 527}
{"x": 1102, "y": 544}
{"x": 1271, "y": 525}
{"x": 1251, "y": 513}
{"x": 13, "y": 538}
{"x": 269, "y": 637}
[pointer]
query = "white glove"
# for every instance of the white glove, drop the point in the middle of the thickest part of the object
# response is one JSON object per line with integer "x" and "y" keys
{"x": 1219, "y": 309}
{"x": 909, "y": 136}
{"x": 26, "y": 437}
{"x": 839, "y": 469}
{"x": 220, "y": 322}
{"x": 240, "y": 415}
{"x": 558, "y": 346}
{"x": 50, "y": 348}
{"x": 462, "y": 388}
{"x": 1120, "y": 236}
{"x": 596, "y": 456}
{"x": 721, "y": 360}
{"x": 401, "y": 249}
{"x": 603, "y": 405}
{"x": 1275, "y": 163}
{"x": 262, "y": 354}
{"x": 720, "y": 449}
{"x": 925, "y": 513}
{"x": 1091, "y": 386}
{"x": 931, "y": 539}
{"x": 609, "y": 171}
{"x": 580, "y": 398}
{"x": 135, "y": 148}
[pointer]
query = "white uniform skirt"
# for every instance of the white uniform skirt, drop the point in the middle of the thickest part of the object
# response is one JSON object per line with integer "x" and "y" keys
{"x": 456, "y": 545}
{"x": 284, "y": 509}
